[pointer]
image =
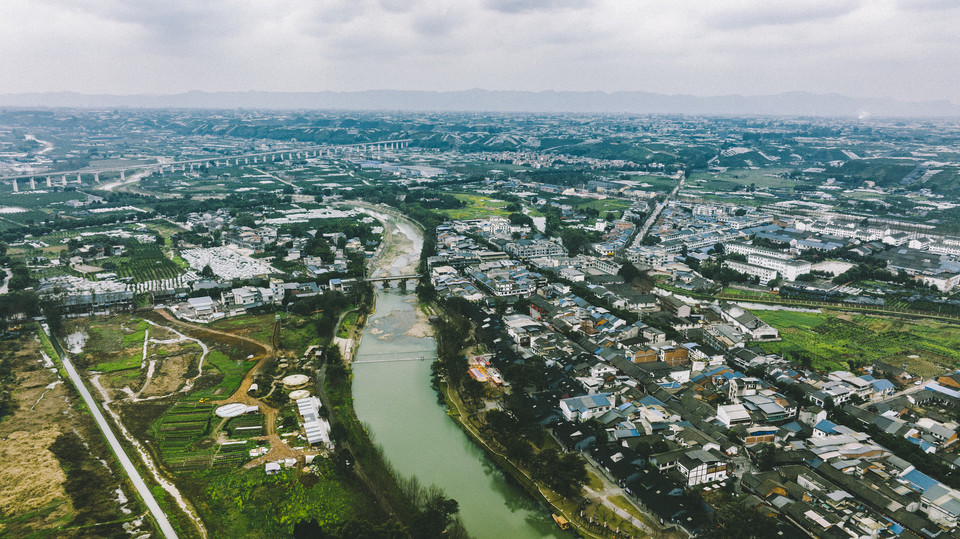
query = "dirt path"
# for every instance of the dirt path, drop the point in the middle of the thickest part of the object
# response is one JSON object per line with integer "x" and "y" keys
{"x": 279, "y": 449}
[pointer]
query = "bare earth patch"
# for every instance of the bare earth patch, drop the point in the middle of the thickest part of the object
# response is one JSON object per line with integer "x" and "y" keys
{"x": 31, "y": 477}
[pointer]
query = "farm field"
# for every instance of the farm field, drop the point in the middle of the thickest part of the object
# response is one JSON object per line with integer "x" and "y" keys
{"x": 834, "y": 341}
{"x": 183, "y": 435}
{"x": 145, "y": 262}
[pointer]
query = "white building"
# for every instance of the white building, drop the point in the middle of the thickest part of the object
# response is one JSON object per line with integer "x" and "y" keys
{"x": 700, "y": 466}
{"x": 765, "y": 274}
{"x": 788, "y": 269}
{"x": 732, "y": 414}
{"x": 586, "y": 406}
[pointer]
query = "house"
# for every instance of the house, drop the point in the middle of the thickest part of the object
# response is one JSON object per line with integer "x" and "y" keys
{"x": 700, "y": 466}
{"x": 941, "y": 504}
{"x": 203, "y": 305}
{"x": 747, "y": 322}
{"x": 696, "y": 466}
{"x": 675, "y": 306}
{"x": 586, "y": 406}
{"x": 951, "y": 381}
{"x": 732, "y": 414}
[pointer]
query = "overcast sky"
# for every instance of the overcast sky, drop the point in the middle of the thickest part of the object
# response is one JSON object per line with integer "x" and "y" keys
{"x": 907, "y": 49}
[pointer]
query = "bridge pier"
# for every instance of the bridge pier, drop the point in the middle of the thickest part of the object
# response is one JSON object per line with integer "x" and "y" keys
{"x": 33, "y": 184}
{"x": 16, "y": 188}
{"x": 78, "y": 177}
{"x": 49, "y": 181}
{"x": 63, "y": 180}
{"x": 96, "y": 177}
{"x": 123, "y": 175}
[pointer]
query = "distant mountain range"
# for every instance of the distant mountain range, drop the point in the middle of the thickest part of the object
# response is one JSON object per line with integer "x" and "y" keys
{"x": 786, "y": 104}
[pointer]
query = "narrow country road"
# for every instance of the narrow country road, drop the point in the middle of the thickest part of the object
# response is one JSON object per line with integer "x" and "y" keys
{"x": 118, "y": 449}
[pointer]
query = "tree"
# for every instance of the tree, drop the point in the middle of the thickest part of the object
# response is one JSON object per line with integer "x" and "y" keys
{"x": 767, "y": 457}
{"x": 576, "y": 240}
{"x": 520, "y": 219}
{"x": 437, "y": 514}
{"x": 737, "y": 519}
{"x": 629, "y": 272}
{"x": 207, "y": 272}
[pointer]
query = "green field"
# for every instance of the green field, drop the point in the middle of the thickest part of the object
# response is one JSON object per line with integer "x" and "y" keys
{"x": 182, "y": 435}
{"x": 120, "y": 364}
{"x": 145, "y": 262}
{"x": 236, "y": 503}
{"x": 834, "y": 341}
{"x": 478, "y": 207}
{"x": 232, "y": 370}
{"x": 615, "y": 205}
{"x": 349, "y": 322}
{"x": 734, "y": 179}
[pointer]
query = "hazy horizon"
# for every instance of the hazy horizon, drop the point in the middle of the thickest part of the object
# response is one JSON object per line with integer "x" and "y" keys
{"x": 898, "y": 49}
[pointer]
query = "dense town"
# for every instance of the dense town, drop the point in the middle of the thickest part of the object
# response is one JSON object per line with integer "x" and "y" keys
{"x": 727, "y": 322}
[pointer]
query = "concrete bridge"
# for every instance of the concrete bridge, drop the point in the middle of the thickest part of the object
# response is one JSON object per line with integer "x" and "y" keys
{"x": 61, "y": 179}
{"x": 390, "y": 278}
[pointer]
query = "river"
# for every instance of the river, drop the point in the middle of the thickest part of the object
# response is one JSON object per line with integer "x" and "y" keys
{"x": 395, "y": 400}
{"x": 397, "y": 403}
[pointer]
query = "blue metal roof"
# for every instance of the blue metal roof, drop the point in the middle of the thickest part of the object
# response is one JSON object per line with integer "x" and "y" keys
{"x": 919, "y": 480}
{"x": 826, "y": 426}
{"x": 650, "y": 400}
{"x": 882, "y": 384}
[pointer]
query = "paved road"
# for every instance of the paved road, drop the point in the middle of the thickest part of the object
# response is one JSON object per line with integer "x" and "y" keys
{"x": 638, "y": 240}
{"x": 128, "y": 466}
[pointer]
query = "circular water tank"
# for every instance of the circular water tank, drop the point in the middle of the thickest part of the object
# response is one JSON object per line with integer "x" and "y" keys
{"x": 295, "y": 380}
{"x": 299, "y": 394}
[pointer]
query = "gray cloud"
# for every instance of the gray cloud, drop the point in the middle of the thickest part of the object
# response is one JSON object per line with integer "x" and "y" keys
{"x": 856, "y": 47}
{"x": 521, "y": 6}
{"x": 778, "y": 13}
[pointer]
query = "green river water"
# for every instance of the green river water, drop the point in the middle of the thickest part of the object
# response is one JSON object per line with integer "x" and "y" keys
{"x": 395, "y": 400}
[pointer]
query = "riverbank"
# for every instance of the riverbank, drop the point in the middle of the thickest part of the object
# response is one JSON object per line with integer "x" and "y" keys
{"x": 612, "y": 521}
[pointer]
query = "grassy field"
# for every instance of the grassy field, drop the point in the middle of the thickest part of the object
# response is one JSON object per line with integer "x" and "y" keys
{"x": 113, "y": 344}
{"x": 232, "y": 369}
{"x": 242, "y": 502}
{"x": 258, "y": 327}
{"x": 349, "y": 322}
{"x": 729, "y": 291}
{"x": 838, "y": 341}
{"x": 477, "y": 207}
{"x": 733, "y": 179}
{"x": 615, "y": 205}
